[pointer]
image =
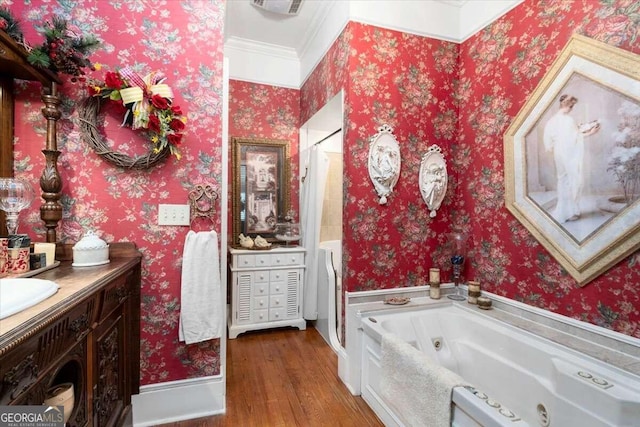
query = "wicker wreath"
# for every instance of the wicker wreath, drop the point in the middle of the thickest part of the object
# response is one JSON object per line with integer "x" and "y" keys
{"x": 89, "y": 113}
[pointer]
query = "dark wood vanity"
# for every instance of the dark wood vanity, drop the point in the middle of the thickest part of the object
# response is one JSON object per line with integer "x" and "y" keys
{"x": 88, "y": 334}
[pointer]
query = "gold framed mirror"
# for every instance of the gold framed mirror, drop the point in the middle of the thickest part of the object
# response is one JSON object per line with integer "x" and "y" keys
{"x": 261, "y": 186}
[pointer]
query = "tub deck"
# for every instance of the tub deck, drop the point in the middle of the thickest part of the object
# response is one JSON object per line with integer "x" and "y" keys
{"x": 552, "y": 360}
{"x": 611, "y": 347}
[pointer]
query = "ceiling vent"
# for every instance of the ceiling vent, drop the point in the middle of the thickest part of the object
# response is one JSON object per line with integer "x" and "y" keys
{"x": 283, "y": 7}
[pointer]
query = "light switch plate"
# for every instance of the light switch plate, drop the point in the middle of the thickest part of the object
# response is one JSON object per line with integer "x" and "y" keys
{"x": 173, "y": 214}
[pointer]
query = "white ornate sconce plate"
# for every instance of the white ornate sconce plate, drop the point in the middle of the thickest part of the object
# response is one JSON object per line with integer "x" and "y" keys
{"x": 384, "y": 162}
{"x": 433, "y": 179}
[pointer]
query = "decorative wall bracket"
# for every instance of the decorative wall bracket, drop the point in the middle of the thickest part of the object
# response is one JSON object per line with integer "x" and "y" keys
{"x": 384, "y": 162}
{"x": 433, "y": 178}
{"x": 202, "y": 202}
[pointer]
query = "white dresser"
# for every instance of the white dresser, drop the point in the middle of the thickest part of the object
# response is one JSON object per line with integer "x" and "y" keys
{"x": 266, "y": 289}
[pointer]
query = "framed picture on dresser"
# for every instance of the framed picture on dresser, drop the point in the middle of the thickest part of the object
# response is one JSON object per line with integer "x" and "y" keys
{"x": 260, "y": 186}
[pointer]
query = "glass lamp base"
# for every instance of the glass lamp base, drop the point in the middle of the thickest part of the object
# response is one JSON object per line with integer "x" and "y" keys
{"x": 456, "y": 297}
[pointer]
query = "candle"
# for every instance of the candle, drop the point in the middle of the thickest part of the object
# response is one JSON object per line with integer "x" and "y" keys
{"x": 434, "y": 290}
{"x": 434, "y": 275}
{"x": 473, "y": 286}
{"x": 484, "y": 303}
{"x": 47, "y": 248}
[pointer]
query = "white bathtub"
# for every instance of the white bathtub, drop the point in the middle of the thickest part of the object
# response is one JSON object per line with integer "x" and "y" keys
{"x": 540, "y": 382}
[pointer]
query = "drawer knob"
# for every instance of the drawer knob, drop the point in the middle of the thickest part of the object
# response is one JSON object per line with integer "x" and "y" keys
{"x": 277, "y": 315}
{"x": 277, "y": 302}
{"x": 277, "y": 288}
{"x": 261, "y": 302}
{"x": 278, "y": 261}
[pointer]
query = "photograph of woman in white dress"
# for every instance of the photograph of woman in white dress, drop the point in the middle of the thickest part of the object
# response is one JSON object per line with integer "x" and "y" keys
{"x": 566, "y": 139}
{"x": 573, "y": 156}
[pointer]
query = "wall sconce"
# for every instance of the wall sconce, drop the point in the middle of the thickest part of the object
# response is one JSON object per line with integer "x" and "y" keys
{"x": 384, "y": 162}
{"x": 433, "y": 179}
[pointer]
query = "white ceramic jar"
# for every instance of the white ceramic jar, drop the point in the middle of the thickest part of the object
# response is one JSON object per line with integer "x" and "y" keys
{"x": 90, "y": 251}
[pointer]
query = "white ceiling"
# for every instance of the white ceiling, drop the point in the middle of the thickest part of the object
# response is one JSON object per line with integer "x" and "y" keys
{"x": 281, "y": 50}
{"x": 247, "y": 22}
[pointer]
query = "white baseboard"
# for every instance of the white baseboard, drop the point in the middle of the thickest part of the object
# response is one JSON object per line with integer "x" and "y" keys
{"x": 178, "y": 400}
{"x": 343, "y": 372}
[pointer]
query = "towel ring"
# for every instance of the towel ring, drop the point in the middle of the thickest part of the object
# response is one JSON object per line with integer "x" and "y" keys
{"x": 202, "y": 202}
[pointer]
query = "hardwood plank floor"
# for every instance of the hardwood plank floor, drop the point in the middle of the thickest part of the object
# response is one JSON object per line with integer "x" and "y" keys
{"x": 285, "y": 377}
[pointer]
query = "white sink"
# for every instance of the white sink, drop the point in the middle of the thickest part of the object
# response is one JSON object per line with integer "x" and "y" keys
{"x": 17, "y": 294}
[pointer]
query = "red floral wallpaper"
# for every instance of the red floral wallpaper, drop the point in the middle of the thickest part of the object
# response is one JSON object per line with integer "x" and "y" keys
{"x": 183, "y": 40}
{"x": 500, "y": 67}
{"x": 266, "y": 112}
{"x": 407, "y": 82}
{"x": 463, "y": 98}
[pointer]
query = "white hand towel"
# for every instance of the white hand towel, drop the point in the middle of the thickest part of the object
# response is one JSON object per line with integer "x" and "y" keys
{"x": 201, "y": 313}
{"x": 415, "y": 385}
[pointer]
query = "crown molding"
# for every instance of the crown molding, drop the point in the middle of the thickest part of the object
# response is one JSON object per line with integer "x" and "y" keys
{"x": 328, "y": 28}
{"x": 320, "y": 21}
{"x": 476, "y": 15}
{"x": 449, "y": 20}
{"x": 252, "y": 46}
{"x": 278, "y": 66}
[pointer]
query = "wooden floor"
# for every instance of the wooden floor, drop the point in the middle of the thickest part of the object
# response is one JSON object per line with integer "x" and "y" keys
{"x": 285, "y": 377}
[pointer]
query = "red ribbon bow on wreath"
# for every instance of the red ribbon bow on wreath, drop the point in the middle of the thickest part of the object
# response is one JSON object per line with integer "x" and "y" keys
{"x": 148, "y": 103}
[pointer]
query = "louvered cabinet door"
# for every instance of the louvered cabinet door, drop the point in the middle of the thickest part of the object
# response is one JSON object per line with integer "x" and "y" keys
{"x": 293, "y": 299}
{"x": 244, "y": 284}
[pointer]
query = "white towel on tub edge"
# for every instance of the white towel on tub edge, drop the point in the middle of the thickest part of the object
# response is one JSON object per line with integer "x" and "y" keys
{"x": 201, "y": 313}
{"x": 417, "y": 387}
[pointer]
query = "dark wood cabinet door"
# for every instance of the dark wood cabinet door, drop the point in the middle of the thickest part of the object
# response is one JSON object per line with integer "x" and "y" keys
{"x": 109, "y": 387}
